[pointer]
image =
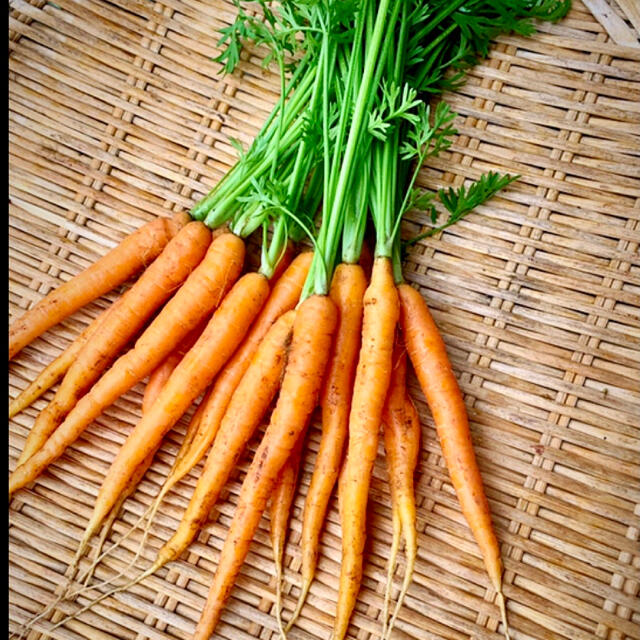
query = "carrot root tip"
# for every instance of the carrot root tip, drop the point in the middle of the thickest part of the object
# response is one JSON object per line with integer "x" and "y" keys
{"x": 503, "y": 614}
{"x": 301, "y": 600}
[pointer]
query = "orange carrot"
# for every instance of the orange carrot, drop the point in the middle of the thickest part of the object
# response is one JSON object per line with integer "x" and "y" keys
{"x": 401, "y": 429}
{"x": 315, "y": 323}
{"x": 126, "y": 317}
{"x": 159, "y": 376}
{"x": 247, "y": 407}
{"x": 438, "y": 382}
{"x": 52, "y": 372}
{"x": 347, "y": 292}
{"x": 284, "y": 296}
{"x": 193, "y": 374}
{"x": 222, "y": 335}
{"x": 281, "y": 500}
{"x": 201, "y": 293}
{"x": 133, "y": 254}
{"x": 381, "y": 311}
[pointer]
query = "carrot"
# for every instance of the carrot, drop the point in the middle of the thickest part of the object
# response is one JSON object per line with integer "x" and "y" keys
{"x": 281, "y": 500}
{"x": 283, "y": 297}
{"x": 127, "y": 316}
{"x": 401, "y": 429}
{"x": 150, "y": 394}
{"x": 134, "y": 253}
{"x": 347, "y": 292}
{"x": 52, "y": 373}
{"x": 200, "y": 294}
{"x": 220, "y": 338}
{"x": 159, "y": 376}
{"x": 193, "y": 374}
{"x": 381, "y": 311}
{"x": 257, "y": 384}
{"x": 247, "y": 407}
{"x": 428, "y": 355}
{"x": 314, "y": 326}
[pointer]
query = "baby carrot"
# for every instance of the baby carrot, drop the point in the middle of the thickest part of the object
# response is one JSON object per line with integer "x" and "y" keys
{"x": 222, "y": 335}
{"x": 438, "y": 382}
{"x": 401, "y": 429}
{"x": 134, "y": 253}
{"x": 247, "y": 407}
{"x": 315, "y": 323}
{"x": 281, "y": 500}
{"x": 283, "y": 297}
{"x": 347, "y": 291}
{"x": 127, "y": 316}
{"x": 381, "y": 310}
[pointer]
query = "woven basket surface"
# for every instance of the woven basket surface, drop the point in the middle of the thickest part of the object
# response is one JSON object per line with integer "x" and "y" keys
{"x": 118, "y": 114}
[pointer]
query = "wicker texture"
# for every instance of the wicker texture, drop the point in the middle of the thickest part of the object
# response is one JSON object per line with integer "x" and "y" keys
{"x": 117, "y": 115}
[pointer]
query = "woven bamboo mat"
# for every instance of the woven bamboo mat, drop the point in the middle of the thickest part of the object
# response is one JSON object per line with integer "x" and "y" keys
{"x": 117, "y": 115}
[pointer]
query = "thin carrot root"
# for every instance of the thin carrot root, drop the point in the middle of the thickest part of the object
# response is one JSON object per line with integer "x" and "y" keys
{"x": 391, "y": 569}
{"x": 64, "y": 590}
{"x": 281, "y": 500}
{"x": 104, "y": 533}
{"x": 402, "y": 446}
{"x": 106, "y": 594}
{"x": 503, "y": 614}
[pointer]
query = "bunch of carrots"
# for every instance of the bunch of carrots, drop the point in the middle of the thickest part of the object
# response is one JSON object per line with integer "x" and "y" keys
{"x": 327, "y": 327}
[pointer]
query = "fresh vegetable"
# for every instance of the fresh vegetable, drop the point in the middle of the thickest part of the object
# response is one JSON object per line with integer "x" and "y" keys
{"x": 313, "y": 330}
{"x": 283, "y": 297}
{"x": 281, "y": 500}
{"x": 248, "y": 405}
{"x": 373, "y": 373}
{"x": 347, "y": 291}
{"x": 401, "y": 429}
{"x": 428, "y": 355}
{"x": 222, "y": 335}
{"x": 50, "y": 375}
{"x": 199, "y": 295}
{"x": 128, "y": 315}
{"x": 134, "y": 253}
{"x": 349, "y": 125}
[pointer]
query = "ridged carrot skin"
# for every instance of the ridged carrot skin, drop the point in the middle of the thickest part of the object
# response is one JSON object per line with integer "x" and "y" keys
{"x": 428, "y": 355}
{"x": 136, "y": 252}
{"x": 347, "y": 292}
{"x": 51, "y": 374}
{"x": 159, "y": 376}
{"x": 313, "y": 331}
{"x": 127, "y": 316}
{"x": 249, "y": 403}
{"x": 284, "y": 297}
{"x": 401, "y": 429}
{"x": 202, "y": 292}
{"x": 222, "y": 335}
{"x": 281, "y": 500}
{"x": 380, "y": 317}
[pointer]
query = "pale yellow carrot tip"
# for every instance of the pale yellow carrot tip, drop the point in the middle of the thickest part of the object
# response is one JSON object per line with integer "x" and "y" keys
{"x": 395, "y": 544}
{"x": 503, "y": 614}
{"x": 301, "y": 600}
{"x": 105, "y": 595}
{"x": 281, "y": 629}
